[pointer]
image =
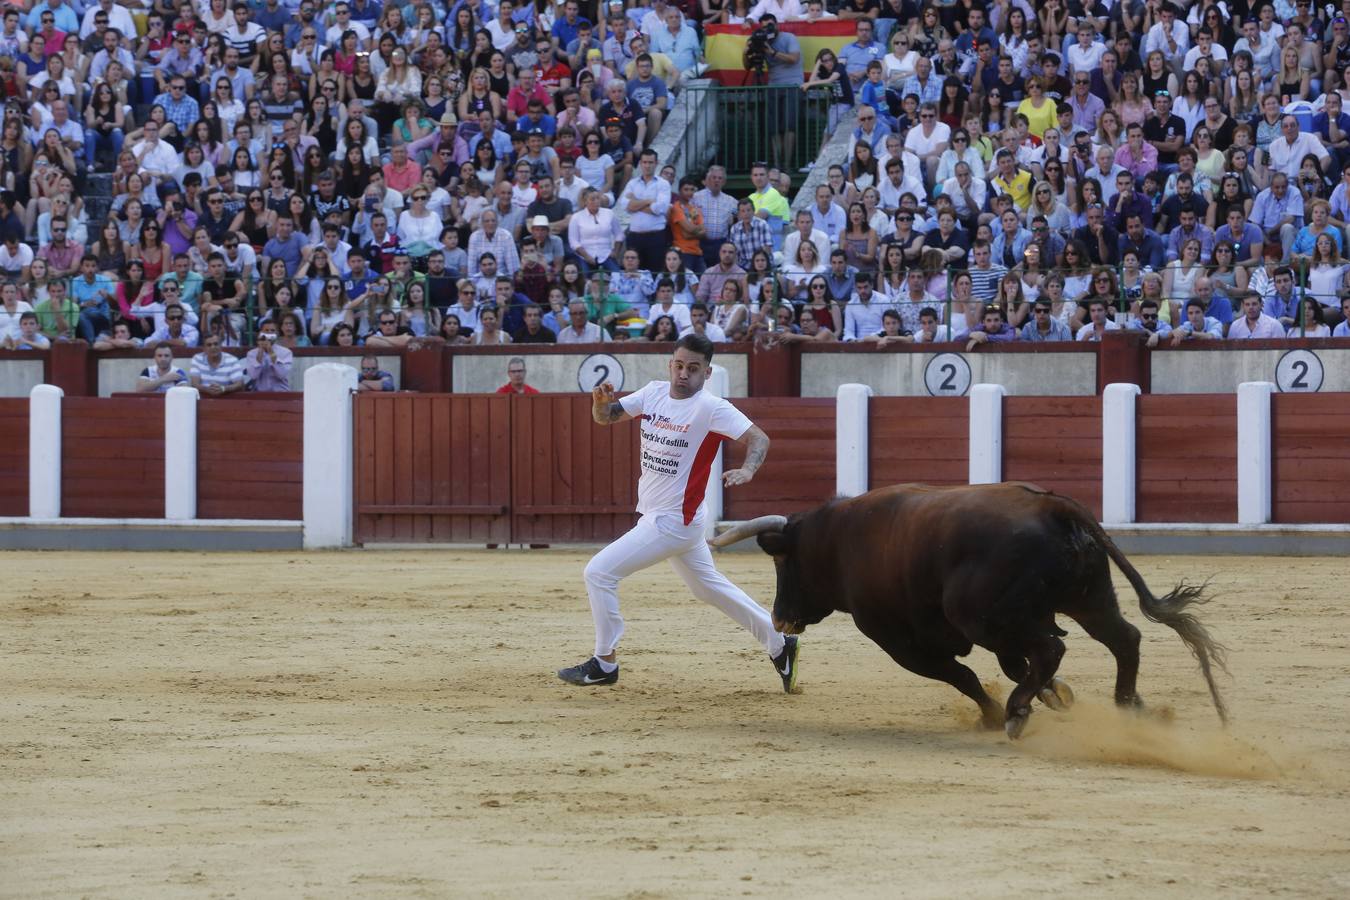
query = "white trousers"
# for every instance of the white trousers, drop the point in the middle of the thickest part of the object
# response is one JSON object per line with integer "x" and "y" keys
{"x": 651, "y": 540}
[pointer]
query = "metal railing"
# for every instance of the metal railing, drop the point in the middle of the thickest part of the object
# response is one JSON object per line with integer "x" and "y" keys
{"x": 781, "y": 125}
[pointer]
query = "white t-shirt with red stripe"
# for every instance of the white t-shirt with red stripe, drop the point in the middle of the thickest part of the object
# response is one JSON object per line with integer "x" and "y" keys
{"x": 680, "y": 439}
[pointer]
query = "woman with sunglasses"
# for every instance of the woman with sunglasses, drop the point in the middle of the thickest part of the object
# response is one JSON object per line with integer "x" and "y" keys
{"x": 827, "y": 312}
{"x": 326, "y": 75}
{"x": 250, "y": 223}
{"x": 419, "y": 230}
{"x": 926, "y": 30}
{"x": 829, "y": 73}
{"x": 959, "y": 150}
{"x": 898, "y": 65}
{"x": 1075, "y": 267}
{"x": 1039, "y": 110}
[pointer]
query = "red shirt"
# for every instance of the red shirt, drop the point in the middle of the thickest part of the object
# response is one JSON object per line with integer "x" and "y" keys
{"x": 550, "y": 79}
{"x": 524, "y": 389}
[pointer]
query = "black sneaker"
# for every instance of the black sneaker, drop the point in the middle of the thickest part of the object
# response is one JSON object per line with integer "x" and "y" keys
{"x": 786, "y": 663}
{"x": 589, "y": 673}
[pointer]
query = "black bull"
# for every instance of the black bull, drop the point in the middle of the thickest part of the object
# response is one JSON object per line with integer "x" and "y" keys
{"x": 929, "y": 572}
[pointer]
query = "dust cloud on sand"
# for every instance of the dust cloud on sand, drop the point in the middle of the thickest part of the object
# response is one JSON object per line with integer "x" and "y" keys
{"x": 382, "y": 724}
{"x": 1092, "y": 732}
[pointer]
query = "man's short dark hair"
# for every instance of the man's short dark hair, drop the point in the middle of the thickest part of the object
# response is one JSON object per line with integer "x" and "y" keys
{"x": 1197, "y": 302}
{"x": 928, "y": 311}
{"x": 696, "y": 343}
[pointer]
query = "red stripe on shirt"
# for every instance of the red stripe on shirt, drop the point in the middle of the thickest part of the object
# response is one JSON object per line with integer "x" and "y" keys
{"x": 698, "y": 475}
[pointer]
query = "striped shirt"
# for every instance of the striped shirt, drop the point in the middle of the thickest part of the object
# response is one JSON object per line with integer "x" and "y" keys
{"x": 984, "y": 282}
{"x": 718, "y": 213}
{"x": 501, "y": 245}
{"x": 229, "y": 371}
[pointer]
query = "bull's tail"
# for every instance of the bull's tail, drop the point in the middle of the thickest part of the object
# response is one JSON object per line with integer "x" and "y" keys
{"x": 1171, "y": 609}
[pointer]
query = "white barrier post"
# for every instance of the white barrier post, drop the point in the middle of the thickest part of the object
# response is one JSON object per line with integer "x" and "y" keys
{"x": 44, "y": 452}
{"x": 328, "y": 456}
{"x": 986, "y": 434}
{"x": 1253, "y": 452}
{"x": 718, "y": 385}
{"x": 851, "y": 445}
{"x": 1119, "y": 441}
{"x": 180, "y": 453}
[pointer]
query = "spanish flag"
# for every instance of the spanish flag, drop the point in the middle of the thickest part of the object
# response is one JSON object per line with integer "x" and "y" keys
{"x": 724, "y": 45}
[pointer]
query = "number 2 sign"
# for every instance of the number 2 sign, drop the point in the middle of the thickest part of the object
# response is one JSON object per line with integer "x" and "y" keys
{"x": 947, "y": 375}
{"x": 1299, "y": 371}
{"x": 598, "y": 368}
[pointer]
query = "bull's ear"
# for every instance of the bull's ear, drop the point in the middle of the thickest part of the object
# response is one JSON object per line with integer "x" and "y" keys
{"x": 774, "y": 543}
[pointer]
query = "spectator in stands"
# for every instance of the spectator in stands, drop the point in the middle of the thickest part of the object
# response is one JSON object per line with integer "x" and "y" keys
{"x": 993, "y": 327}
{"x": 1197, "y": 326}
{"x": 372, "y": 377}
{"x": 58, "y": 315}
{"x": 215, "y": 372}
{"x": 28, "y": 336}
{"x": 268, "y": 365}
{"x": 580, "y": 330}
{"x": 1043, "y": 327}
{"x": 861, "y": 315}
{"x": 162, "y": 375}
{"x": 700, "y": 323}
{"x": 533, "y": 330}
{"x": 1097, "y": 324}
{"x": 388, "y": 333}
{"x": 1150, "y": 322}
{"x": 515, "y": 378}
{"x": 1253, "y": 323}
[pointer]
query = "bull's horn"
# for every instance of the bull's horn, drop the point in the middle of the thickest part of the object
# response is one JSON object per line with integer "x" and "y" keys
{"x": 749, "y": 529}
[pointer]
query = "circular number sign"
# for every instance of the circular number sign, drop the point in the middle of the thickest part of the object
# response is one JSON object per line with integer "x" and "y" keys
{"x": 1299, "y": 371}
{"x": 947, "y": 375}
{"x": 598, "y": 368}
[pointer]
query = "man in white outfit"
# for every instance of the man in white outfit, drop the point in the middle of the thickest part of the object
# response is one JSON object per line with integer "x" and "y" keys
{"x": 682, "y": 427}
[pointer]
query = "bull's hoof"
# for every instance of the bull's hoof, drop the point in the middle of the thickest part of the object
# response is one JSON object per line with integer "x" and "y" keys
{"x": 1016, "y": 722}
{"x": 1057, "y": 695}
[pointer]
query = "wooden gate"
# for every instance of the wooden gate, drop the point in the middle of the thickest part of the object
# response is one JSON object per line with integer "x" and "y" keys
{"x": 432, "y": 468}
{"x": 498, "y": 468}
{"x": 14, "y": 459}
{"x": 112, "y": 457}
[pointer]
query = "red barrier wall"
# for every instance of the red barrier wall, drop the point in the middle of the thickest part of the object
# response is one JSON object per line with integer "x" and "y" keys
{"x": 14, "y": 458}
{"x": 1187, "y": 458}
{"x": 918, "y": 439}
{"x": 799, "y": 471}
{"x": 250, "y": 462}
{"x": 1311, "y": 466}
{"x": 112, "y": 457}
{"x": 571, "y": 479}
{"x": 1055, "y": 442}
{"x": 432, "y": 468}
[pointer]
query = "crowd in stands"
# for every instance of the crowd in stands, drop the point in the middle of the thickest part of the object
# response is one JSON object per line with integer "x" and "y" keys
{"x": 293, "y": 173}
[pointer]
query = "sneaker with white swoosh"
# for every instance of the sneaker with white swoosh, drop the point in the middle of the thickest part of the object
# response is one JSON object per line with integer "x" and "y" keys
{"x": 785, "y": 663}
{"x": 588, "y": 674}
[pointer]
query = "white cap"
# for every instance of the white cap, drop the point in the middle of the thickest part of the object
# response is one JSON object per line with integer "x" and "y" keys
{"x": 539, "y": 222}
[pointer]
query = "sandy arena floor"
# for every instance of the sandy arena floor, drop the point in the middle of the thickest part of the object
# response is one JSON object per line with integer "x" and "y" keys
{"x": 388, "y": 724}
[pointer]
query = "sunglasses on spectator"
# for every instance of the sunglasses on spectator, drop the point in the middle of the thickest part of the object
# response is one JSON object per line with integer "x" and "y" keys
{"x": 173, "y": 318}
{"x": 1148, "y": 317}
{"x": 387, "y": 322}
